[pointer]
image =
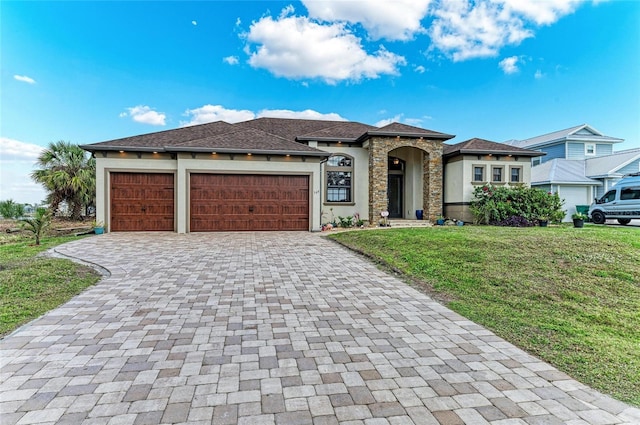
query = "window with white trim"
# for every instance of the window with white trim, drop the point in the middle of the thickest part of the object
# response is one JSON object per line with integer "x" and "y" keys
{"x": 590, "y": 149}
{"x": 339, "y": 172}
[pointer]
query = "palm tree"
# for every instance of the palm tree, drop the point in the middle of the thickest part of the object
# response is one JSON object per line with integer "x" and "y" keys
{"x": 37, "y": 224}
{"x": 68, "y": 174}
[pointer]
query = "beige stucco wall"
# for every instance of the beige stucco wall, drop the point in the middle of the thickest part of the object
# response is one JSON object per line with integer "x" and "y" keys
{"x": 184, "y": 164}
{"x": 459, "y": 185}
{"x": 360, "y": 182}
{"x": 454, "y": 179}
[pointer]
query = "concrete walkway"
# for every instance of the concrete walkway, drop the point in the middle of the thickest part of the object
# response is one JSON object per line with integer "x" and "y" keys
{"x": 270, "y": 328}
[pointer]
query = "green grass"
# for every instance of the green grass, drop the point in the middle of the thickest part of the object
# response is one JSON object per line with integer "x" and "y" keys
{"x": 31, "y": 285}
{"x": 569, "y": 296}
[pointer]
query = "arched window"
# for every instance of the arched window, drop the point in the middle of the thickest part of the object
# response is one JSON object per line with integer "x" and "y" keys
{"x": 339, "y": 177}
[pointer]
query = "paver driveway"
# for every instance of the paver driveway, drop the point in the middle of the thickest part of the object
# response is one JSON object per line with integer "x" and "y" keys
{"x": 263, "y": 328}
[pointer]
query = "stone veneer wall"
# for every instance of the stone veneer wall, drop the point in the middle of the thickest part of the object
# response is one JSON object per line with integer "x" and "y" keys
{"x": 379, "y": 148}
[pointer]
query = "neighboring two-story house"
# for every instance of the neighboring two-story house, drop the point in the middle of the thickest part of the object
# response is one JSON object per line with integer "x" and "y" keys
{"x": 580, "y": 164}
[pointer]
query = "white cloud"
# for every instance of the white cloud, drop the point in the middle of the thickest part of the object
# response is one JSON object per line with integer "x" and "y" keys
{"x": 146, "y": 115}
{"x": 465, "y": 29}
{"x": 400, "y": 118}
{"x": 231, "y": 60}
{"x": 297, "y": 47}
{"x": 194, "y": 23}
{"x": 211, "y": 113}
{"x": 307, "y": 114}
{"x": 24, "y": 79}
{"x": 538, "y": 75}
{"x": 17, "y": 160}
{"x": 509, "y": 65}
{"x": 542, "y": 12}
{"x": 388, "y": 121}
{"x": 392, "y": 20}
{"x": 420, "y": 69}
{"x": 15, "y": 150}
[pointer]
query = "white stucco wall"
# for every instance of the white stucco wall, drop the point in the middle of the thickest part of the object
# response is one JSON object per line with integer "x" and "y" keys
{"x": 185, "y": 164}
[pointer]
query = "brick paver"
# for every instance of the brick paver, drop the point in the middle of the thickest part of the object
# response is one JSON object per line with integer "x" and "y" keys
{"x": 270, "y": 328}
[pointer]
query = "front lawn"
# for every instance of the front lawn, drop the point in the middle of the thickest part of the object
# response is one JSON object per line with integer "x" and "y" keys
{"x": 31, "y": 285}
{"x": 569, "y": 296}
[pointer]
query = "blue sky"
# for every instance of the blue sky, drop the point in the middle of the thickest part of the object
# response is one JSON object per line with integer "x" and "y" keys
{"x": 497, "y": 69}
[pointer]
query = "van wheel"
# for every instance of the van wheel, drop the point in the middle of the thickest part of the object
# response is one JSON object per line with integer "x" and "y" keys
{"x": 598, "y": 217}
{"x": 624, "y": 221}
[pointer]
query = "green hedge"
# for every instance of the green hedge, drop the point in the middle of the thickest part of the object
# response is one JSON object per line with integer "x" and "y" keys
{"x": 495, "y": 204}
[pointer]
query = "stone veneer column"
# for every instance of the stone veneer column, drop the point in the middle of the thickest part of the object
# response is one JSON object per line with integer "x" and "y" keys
{"x": 378, "y": 178}
{"x": 432, "y": 184}
{"x": 379, "y": 148}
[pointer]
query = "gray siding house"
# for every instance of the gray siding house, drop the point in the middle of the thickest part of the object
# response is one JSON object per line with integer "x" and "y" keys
{"x": 580, "y": 164}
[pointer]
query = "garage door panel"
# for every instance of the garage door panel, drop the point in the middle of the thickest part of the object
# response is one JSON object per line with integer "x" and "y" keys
{"x": 142, "y": 202}
{"x": 249, "y": 202}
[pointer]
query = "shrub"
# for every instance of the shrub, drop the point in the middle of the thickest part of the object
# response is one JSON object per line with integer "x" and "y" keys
{"x": 515, "y": 221}
{"x": 499, "y": 204}
{"x": 346, "y": 221}
{"x": 9, "y": 209}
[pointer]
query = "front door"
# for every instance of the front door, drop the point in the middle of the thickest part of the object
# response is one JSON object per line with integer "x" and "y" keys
{"x": 395, "y": 191}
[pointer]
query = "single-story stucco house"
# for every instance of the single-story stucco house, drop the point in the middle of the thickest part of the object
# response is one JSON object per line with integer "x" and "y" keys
{"x": 291, "y": 174}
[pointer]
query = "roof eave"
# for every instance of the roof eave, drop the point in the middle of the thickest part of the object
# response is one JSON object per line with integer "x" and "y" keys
{"x": 577, "y": 183}
{"x": 95, "y": 148}
{"x": 327, "y": 139}
{"x": 369, "y": 134}
{"x": 245, "y": 151}
{"x": 493, "y": 152}
{"x": 606, "y": 176}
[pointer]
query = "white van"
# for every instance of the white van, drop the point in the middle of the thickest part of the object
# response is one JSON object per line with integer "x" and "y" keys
{"x": 621, "y": 202}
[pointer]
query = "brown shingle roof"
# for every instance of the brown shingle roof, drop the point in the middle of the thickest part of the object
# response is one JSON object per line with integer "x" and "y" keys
{"x": 397, "y": 129}
{"x": 339, "y": 132}
{"x": 481, "y": 146}
{"x": 277, "y": 135}
{"x": 161, "y": 139}
{"x": 288, "y": 128}
{"x": 246, "y": 140}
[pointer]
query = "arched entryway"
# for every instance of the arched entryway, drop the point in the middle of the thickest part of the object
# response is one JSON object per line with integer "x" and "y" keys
{"x": 413, "y": 183}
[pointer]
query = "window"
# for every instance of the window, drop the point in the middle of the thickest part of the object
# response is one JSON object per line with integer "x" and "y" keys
{"x": 630, "y": 193}
{"x": 589, "y": 149}
{"x": 516, "y": 174}
{"x": 478, "y": 173}
{"x": 610, "y": 196}
{"x": 339, "y": 177}
{"x": 496, "y": 173}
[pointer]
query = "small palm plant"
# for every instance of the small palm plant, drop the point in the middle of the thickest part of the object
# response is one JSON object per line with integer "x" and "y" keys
{"x": 37, "y": 224}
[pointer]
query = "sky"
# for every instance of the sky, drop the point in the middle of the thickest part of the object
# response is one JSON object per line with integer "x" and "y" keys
{"x": 90, "y": 71}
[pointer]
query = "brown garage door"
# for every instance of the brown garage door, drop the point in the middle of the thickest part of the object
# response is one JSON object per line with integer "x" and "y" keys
{"x": 141, "y": 202}
{"x": 231, "y": 202}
